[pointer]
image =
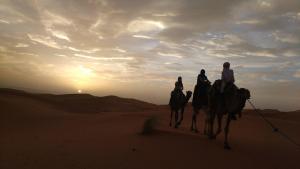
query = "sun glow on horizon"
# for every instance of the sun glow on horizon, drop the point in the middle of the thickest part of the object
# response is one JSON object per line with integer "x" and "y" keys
{"x": 80, "y": 77}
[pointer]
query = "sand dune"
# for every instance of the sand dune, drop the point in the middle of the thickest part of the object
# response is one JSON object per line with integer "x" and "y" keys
{"x": 272, "y": 113}
{"x": 42, "y": 131}
{"x": 83, "y": 103}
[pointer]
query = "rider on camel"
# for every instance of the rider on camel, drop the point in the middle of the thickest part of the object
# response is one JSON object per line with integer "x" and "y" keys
{"x": 202, "y": 77}
{"x": 227, "y": 80}
{"x": 179, "y": 85}
{"x": 177, "y": 90}
{"x": 227, "y": 76}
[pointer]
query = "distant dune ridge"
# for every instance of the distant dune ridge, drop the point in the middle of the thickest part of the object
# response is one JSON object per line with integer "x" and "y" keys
{"x": 83, "y": 103}
{"x": 86, "y": 103}
{"x": 271, "y": 113}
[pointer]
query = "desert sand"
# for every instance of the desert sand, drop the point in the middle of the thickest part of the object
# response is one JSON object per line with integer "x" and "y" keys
{"x": 85, "y": 132}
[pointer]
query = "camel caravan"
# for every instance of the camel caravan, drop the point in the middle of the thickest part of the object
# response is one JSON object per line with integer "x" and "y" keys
{"x": 221, "y": 98}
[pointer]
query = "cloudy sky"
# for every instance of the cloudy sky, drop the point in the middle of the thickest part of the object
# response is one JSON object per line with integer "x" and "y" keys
{"x": 137, "y": 48}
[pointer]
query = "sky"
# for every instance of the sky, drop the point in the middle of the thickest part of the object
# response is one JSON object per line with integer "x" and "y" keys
{"x": 138, "y": 48}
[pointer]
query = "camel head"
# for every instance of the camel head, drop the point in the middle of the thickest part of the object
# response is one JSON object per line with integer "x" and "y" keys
{"x": 245, "y": 93}
{"x": 188, "y": 95}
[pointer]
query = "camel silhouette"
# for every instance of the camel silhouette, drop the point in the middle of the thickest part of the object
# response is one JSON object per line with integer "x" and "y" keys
{"x": 177, "y": 103}
{"x": 229, "y": 103}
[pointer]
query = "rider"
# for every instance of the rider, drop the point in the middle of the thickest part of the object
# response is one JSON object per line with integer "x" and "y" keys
{"x": 202, "y": 77}
{"x": 200, "y": 91}
{"x": 202, "y": 81}
{"x": 179, "y": 84}
{"x": 227, "y": 76}
{"x": 178, "y": 89}
{"x": 227, "y": 79}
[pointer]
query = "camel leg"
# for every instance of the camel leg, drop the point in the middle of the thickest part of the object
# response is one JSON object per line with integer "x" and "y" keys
{"x": 220, "y": 116}
{"x": 194, "y": 120}
{"x": 181, "y": 118}
{"x": 195, "y": 124}
{"x": 193, "y": 117}
{"x": 226, "y": 145}
{"x": 206, "y": 121}
{"x": 176, "y": 118}
{"x": 171, "y": 118}
{"x": 211, "y": 126}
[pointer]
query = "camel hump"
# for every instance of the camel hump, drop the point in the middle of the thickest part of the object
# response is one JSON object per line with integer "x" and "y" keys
{"x": 217, "y": 84}
{"x": 230, "y": 89}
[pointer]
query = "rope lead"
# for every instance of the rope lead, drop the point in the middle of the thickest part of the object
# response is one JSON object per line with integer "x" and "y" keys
{"x": 274, "y": 128}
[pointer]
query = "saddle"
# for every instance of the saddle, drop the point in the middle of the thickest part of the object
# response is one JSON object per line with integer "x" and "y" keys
{"x": 230, "y": 89}
{"x": 175, "y": 95}
{"x": 200, "y": 95}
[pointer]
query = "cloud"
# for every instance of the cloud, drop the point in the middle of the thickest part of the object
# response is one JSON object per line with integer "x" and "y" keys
{"x": 22, "y": 45}
{"x": 176, "y": 55}
{"x": 264, "y": 3}
{"x": 142, "y": 25}
{"x": 59, "y": 34}
{"x": 4, "y": 21}
{"x": 142, "y": 36}
{"x": 285, "y": 37}
{"x": 89, "y": 51}
{"x": 261, "y": 54}
{"x": 45, "y": 40}
{"x": 119, "y": 50}
{"x": 3, "y": 49}
{"x": 18, "y": 11}
{"x": 291, "y": 53}
{"x": 168, "y": 14}
{"x": 250, "y": 22}
{"x": 103, "y": 58}
{"x": 297, "y": 74}
{"x": 51, "y": 19}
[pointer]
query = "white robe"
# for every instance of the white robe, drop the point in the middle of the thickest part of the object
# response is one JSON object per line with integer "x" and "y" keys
{"x": 227, "y": 77}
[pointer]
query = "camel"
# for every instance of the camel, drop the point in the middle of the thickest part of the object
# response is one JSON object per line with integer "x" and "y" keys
{"x": 177, "y": 103}
{"x": 230, "y": 102}
{"x": 200, "y": 102}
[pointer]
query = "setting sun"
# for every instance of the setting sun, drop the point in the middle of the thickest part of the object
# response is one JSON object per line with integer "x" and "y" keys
{"x": 79, "y": 76}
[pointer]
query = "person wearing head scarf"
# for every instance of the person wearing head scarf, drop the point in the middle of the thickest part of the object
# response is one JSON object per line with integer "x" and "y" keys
{"x": 179, "y": 84}
{"x": 227, "y": 79}
{"x": 202, "y": 77}
{"x": 227, "y": 76}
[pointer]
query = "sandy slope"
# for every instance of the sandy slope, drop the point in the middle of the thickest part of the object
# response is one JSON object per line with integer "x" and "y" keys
{"x": 36, "y": 134}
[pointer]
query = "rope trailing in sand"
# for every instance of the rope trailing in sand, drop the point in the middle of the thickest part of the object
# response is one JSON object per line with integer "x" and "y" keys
{"x": 274, "y": 128}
